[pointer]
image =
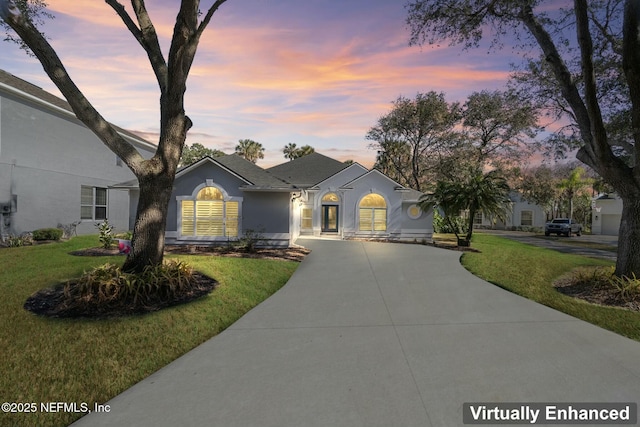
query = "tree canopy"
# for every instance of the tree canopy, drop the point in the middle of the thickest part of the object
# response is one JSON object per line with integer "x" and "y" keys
{"x": 291, "y": 151}
{"x": 426, "y": 139}
{"x": 250, "y": 150}
{"x": 155, "y": 175}
{"x": 197, "y": 151}
{"x": 585, "y": 63}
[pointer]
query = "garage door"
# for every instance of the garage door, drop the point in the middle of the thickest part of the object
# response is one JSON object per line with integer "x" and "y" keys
{"x": 611, "y": 224}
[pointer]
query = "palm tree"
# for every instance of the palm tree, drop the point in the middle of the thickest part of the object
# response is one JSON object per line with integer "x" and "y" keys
{"x": 250, "y": 150}
{"x": 289, "y": 151}
{"x": 305, "y": 150}
{"x": 573, "y": 185}
{"x": 292, "y": 152}
{"x": 476, "y": 192}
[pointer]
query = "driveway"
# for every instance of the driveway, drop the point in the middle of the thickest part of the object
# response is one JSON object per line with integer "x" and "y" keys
{"x": 381, "y": 334}
{"x": 586, "y": 245}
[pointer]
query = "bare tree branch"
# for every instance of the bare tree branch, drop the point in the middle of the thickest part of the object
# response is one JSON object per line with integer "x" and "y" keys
{"x": 208, "y": 16}
{"x": 146, "y": 36}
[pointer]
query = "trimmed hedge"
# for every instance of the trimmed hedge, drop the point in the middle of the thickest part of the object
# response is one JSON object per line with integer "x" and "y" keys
{"x": 47, "y": 234}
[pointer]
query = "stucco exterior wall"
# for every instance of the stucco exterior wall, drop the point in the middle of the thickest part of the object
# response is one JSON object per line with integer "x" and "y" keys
{"x": 185, "y": 184}
{"x": 45, "y": 158}
{"x": 265, "y": 213}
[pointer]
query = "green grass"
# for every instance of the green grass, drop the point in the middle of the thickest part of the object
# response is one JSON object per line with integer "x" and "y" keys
{"x": 530, "y": 271}
{"x": 82, "y": 360}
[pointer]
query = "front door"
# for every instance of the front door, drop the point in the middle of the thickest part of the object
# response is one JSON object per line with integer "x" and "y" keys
{"x": 329, "y": 218}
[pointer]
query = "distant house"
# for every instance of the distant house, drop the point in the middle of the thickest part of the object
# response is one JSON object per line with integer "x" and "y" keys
{"x": 606, "y": 214}
{"x": 522, "y": 214}
{"x": 217, "y": 200}
{"x": 53, "y": 169}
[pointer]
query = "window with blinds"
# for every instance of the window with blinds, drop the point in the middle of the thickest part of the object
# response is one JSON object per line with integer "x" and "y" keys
{"x": 373, "y": 213}
{"x": 526, "y": 218}
{"x": 93, "y": 203}
{"x": 210, "y": 215}
{"x": 307, "y": 219}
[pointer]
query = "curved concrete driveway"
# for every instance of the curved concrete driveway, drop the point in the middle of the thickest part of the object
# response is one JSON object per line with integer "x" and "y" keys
{"x": 378, "y": 334}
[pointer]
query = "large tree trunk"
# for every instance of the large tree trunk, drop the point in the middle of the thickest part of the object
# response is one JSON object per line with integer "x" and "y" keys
{"x": 147, "y": 245}
{"x": 628, "y": 262}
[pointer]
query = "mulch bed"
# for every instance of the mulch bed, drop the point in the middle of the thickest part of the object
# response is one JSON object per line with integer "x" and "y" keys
{"x": 51, "y": 302}
{"x": 595, "y": 294}
{"x": 289, "y": 254}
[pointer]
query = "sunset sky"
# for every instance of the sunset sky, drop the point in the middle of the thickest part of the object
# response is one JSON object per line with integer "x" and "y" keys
{"x": 317, "y": 72}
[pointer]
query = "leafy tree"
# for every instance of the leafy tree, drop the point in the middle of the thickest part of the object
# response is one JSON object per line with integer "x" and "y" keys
{"x": 540, "y": 186}
{"x": 250, "y": 150}
{"x": 478, "y": 192}
{"x": 155, "y": 175}
{"x": 292, "y": 152}
{"x": 594, "y": 79}
{"x": 196, "y": 152}
{"x": 412, "y": 136}
{"x": 573, "y": 184}
{"x": 499, "y": 128}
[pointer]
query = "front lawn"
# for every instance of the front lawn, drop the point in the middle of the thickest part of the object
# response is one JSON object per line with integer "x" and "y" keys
{"x": 530, "y": 271}
{"x": 91, "y": 361}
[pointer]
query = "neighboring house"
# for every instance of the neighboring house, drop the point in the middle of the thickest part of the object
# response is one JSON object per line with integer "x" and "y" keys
{"x": 522, "y": 214}
{"x": 221, "y": 199}
{"x": 606, "y": 214}
{"x": 53, "y": 169}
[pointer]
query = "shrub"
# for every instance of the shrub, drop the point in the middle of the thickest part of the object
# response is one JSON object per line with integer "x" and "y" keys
{"x": 106, "y": 234}
{"x": 250, "y": 240}
{"x": 628, "y": 287}
{"x": 451, "y": 225}
{"x": 107, "y": 290}
{"x": 47, "y": 234}
{"x": 127, "y": 235}
{"x": 13, "y": 241}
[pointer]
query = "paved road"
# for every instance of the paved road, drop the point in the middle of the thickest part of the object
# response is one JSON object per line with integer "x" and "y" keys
{"x": 380, "y": 334}
{"x": 564, "y": 244}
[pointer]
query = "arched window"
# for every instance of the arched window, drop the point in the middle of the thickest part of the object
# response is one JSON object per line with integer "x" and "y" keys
{"x": 210, "y": 215}
{"x": 373, "y": 213}
{"x": 330, "y": 197}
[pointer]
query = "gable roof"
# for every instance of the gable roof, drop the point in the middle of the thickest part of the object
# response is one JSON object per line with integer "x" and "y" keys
{"x": 254, "y": 176}
{"x": 308, "y": 170}
{"x": 250, "y": 171}
{"x": 351, "y": 166}
{"x": 24, "y": 89}
{"x": 408, "y": 194}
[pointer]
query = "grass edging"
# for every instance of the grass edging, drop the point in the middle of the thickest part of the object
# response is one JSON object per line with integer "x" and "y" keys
{"x": 91, "y": 361}
{"x": 530, "y": 271}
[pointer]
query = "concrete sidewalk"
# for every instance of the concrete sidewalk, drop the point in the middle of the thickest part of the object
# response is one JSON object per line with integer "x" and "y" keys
{"x": 380, "y": 334}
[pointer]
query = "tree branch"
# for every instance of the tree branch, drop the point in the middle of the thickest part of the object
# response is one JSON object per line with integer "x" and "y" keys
{"x": 208, "y": 16}
{"x": 562, "y": 74}
{"x": 54, "y": 68}
{"x": 146, "y": 36}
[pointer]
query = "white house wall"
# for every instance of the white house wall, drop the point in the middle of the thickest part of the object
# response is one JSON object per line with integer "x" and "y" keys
{"x": 332, "y": 185}
{"x": 606, "y": 216}
{"x": 45, "y": 158}
{"x": 397, "y": 221}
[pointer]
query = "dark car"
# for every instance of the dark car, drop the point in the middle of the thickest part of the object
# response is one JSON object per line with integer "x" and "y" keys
{"x": 564, "y": 226}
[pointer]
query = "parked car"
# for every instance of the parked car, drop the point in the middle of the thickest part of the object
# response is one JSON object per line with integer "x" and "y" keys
{"x": 564, "y": 226}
